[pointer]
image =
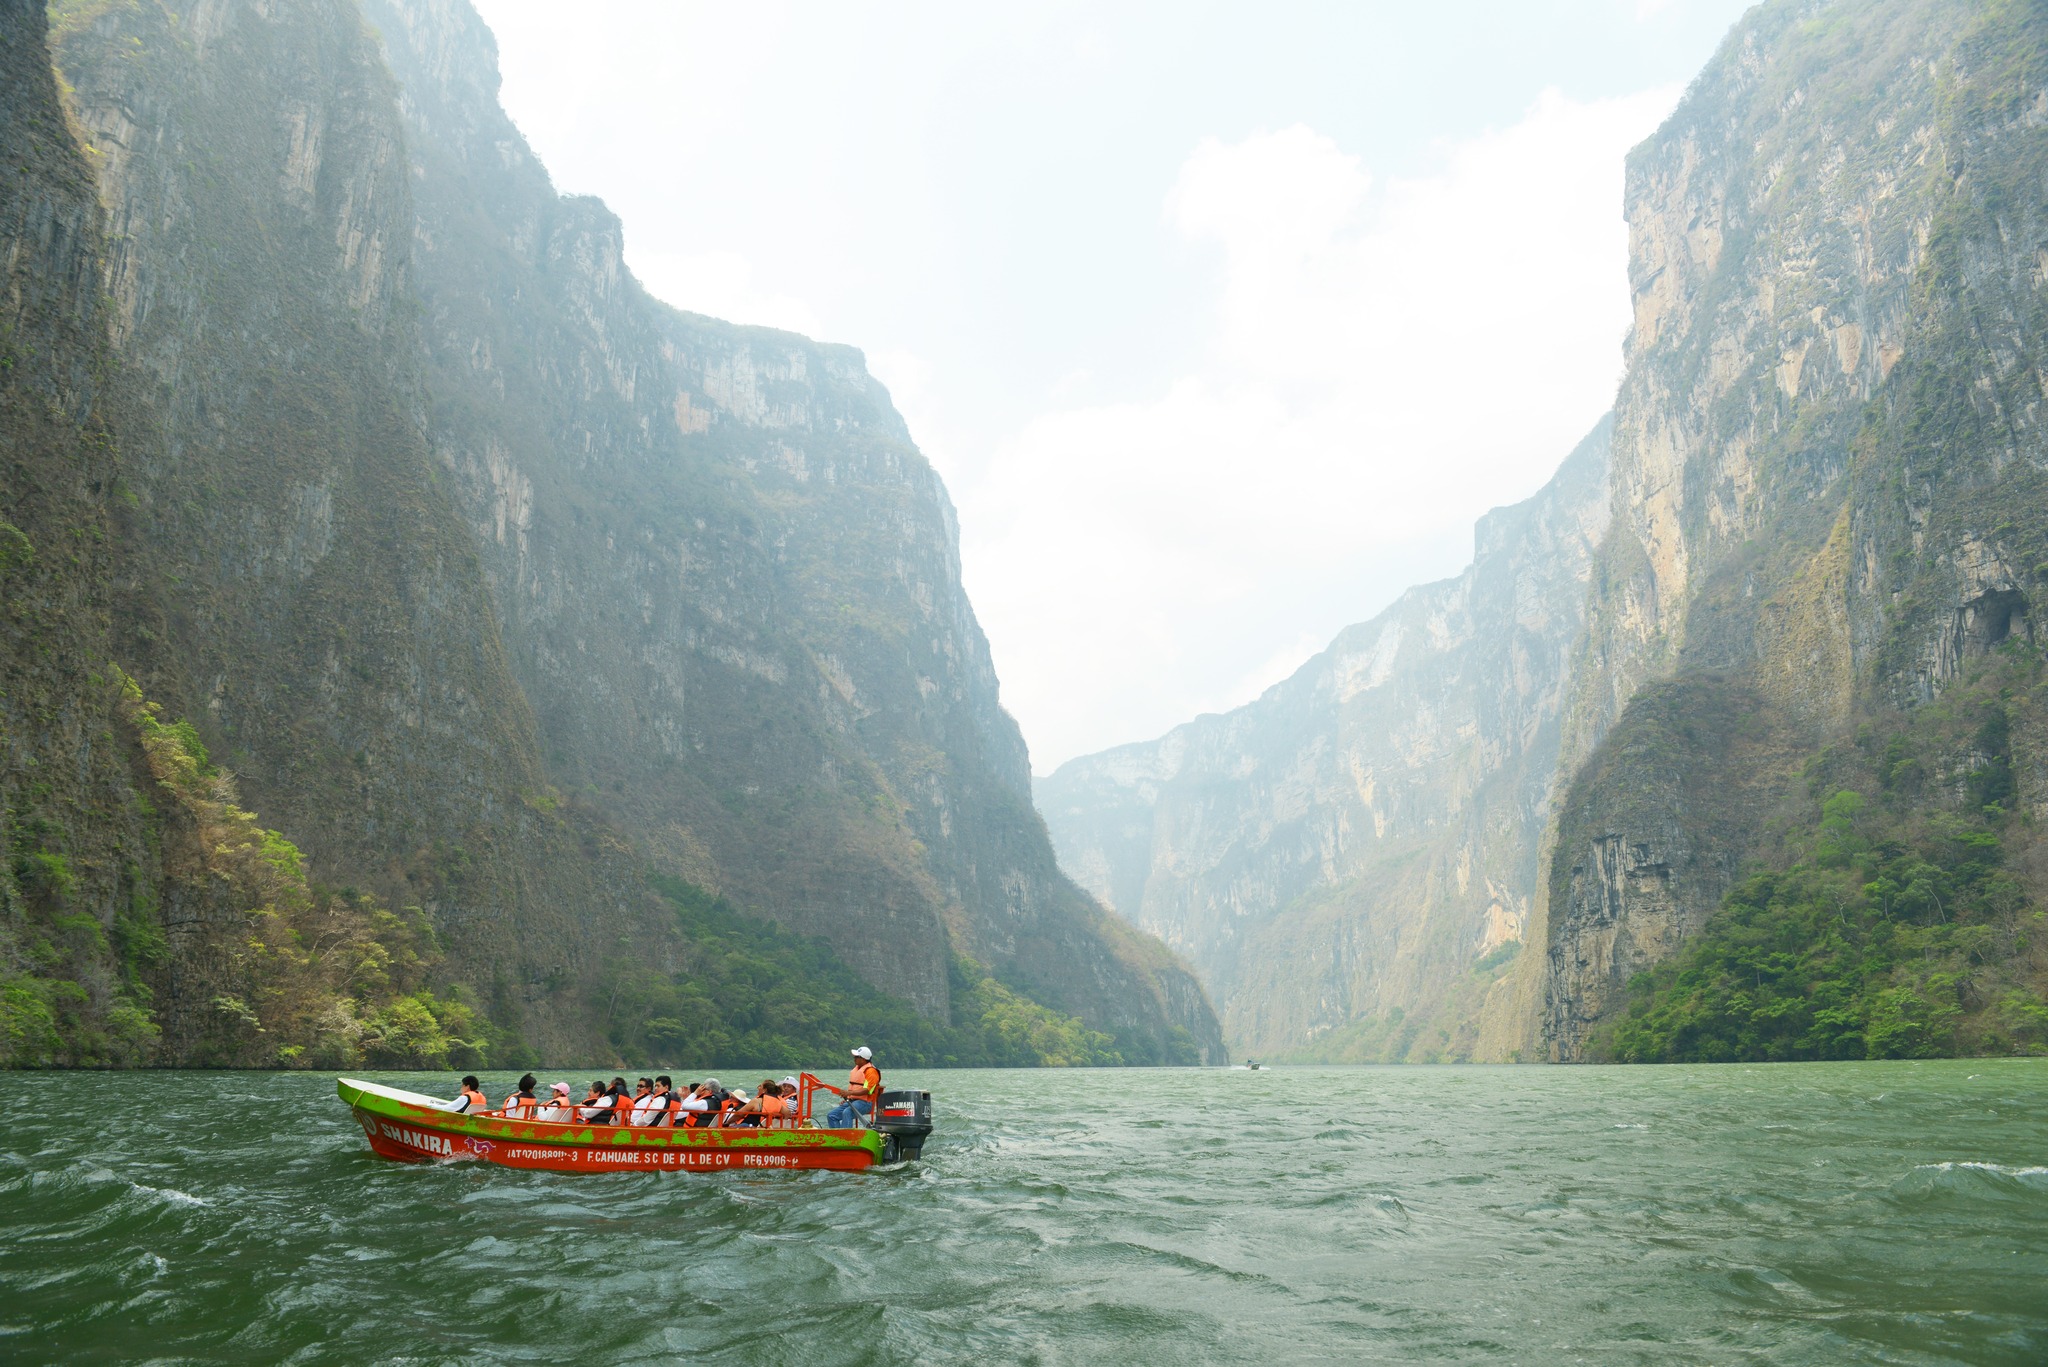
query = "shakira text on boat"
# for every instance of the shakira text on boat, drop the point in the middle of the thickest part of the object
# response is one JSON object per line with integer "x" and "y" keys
{"x": 414, "y": 1128}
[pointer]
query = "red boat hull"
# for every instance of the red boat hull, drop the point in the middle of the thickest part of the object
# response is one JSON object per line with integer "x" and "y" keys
{"x": 399, "y": 1127}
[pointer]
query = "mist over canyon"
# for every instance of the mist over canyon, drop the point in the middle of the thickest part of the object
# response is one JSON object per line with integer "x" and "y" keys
{"x": 420, "y": 646}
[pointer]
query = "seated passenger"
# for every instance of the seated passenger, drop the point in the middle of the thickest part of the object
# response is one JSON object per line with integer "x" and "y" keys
{"x": 638, "y": 1108}
{"x": 792, "y": 1092}
{"x": 595, "y": 1103}
{"x": 618, "y": 1104}
{"x": 558, "y": 1108}
{"x": 730, "y": 1106}
{"x": 696, "y": 1103}
{"x": 765, "y": 1106}
{"x": 472, "y": 1100}
{"x": 863, "y": 1091}
{"x": 519, "y": 1105}
{"x": 664, "y": 1099}
{"x": 776, "y": 1105}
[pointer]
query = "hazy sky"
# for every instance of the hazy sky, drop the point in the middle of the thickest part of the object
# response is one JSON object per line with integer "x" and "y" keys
{"x": 1223, "y": 323}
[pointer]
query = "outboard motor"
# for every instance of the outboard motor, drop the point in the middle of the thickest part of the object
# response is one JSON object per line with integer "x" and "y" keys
{"x": 903, "y": 1121}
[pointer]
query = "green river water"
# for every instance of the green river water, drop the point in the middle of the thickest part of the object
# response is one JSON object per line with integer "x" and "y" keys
{"x": 1822, "y": 1213}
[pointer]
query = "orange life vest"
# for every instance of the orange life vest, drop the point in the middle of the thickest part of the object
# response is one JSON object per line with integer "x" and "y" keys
{"x": 519, "y": 1107}
{"x": 477, "y": 1100}
{"x": 865, "y": 1081}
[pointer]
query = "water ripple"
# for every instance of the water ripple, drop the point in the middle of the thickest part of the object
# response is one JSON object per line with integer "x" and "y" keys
{"x": 1809, "y": 1214}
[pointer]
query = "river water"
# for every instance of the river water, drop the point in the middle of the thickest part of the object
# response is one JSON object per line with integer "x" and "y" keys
{"x": 1825, "y": 1213}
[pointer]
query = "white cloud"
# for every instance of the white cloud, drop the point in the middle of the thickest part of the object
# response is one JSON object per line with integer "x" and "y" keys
{"x": 720, "y": 284}
{"x": 1385, "y": 362}
{"x": 909, "y": 377}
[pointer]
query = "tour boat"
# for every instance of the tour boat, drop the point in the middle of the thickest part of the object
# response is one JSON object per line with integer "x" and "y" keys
{"x": 421, "y": 1129}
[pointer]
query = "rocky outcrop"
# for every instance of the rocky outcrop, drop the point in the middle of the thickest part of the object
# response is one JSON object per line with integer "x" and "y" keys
{"x": 730, "y": 586}
{"x": 1827, "y": 457}
{"x": 67, "y": 827}
{"x": 497, "y": 583}
{"x": 1828, "y": 499}
{"x": 291, "y": 574}
{"x": 1348, "y": 859}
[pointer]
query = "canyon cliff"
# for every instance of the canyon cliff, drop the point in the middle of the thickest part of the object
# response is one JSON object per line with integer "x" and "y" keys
{"x": 1829, "y": 503}
{"x": 1348, "y": 860}
{"x": 1806, "y": 592}
{"x": 545, "y": 620}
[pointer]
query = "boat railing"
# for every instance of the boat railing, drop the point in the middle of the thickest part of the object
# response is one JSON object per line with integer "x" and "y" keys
{"x": 808, "y": 1086}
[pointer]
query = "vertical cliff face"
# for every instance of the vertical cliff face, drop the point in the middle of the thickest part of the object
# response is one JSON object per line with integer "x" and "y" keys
{"x": 1827, "y": 458}
{"x": 1348, "y": 860}
{"x": 292, "y": 574}
{"x": 494, "y": 581}
{"x": 68, "y": 834}
{"x": 730, "y": 586}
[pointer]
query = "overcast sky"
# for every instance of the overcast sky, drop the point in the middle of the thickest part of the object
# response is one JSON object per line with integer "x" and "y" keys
{"x": 1222, "y": 322}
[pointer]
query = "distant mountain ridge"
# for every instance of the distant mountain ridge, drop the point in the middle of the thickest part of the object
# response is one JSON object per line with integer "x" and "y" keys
{"x": 1335, "y": 857}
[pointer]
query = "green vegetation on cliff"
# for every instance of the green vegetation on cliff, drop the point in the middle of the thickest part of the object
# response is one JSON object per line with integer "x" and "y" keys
{"x": 752, "y": 994}
{"x": 1900, "y": 924}
{"x": 289, "y": 973}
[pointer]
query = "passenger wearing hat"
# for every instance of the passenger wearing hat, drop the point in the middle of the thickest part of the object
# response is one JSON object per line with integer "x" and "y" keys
{"x": 863, "y": 1091}
{"x": 792, "y": 1095}
{"x": 558, "y": 1107}
{"x": 730, "y": 1106}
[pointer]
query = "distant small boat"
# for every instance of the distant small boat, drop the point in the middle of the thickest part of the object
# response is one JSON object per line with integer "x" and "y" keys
{"x": 1253, "y": 1064}
{"x": 412, "y": 1128}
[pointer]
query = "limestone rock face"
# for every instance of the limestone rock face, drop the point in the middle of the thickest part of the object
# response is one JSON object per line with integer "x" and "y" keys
{"x": 730, "y": 585}
{"x": 64, "y": 791}
{"x": 292, "y": 575}
{"x": 496, "y": 583}
{"x": 1335, "y": 857}
{"x": 1827, "y": 452}
{"x": 1828, "y": 493}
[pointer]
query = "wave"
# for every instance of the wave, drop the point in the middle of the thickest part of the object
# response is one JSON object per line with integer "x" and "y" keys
{"x": 1972, "y": 1181}
{"x": 169, "y": 1196}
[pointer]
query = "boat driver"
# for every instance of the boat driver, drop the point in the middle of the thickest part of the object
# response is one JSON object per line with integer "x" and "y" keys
{"x": 863, "y": 1091}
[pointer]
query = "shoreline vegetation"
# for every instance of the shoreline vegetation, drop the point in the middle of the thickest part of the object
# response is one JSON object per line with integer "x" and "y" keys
{"x": 1895, "y": 920}
{"x": 307, "y": 976}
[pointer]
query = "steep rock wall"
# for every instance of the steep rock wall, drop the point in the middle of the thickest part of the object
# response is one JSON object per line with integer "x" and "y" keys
{"x": 1827, "y": 489}
{"x": 70, "y": 833}
{"x": 730, "y": 587}
{"x": 1336, "y": 857}
{"x": 377, "y": 465}
{"x": 292, "y": 574}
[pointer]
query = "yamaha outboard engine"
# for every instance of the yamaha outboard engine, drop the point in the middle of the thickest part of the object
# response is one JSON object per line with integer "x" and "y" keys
{"x": 903, "y": 1121}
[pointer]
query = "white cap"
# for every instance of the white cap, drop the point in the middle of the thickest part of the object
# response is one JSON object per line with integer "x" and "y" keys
{"x": 788, "y": 1082}
{"x": 863, "y": 1052}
